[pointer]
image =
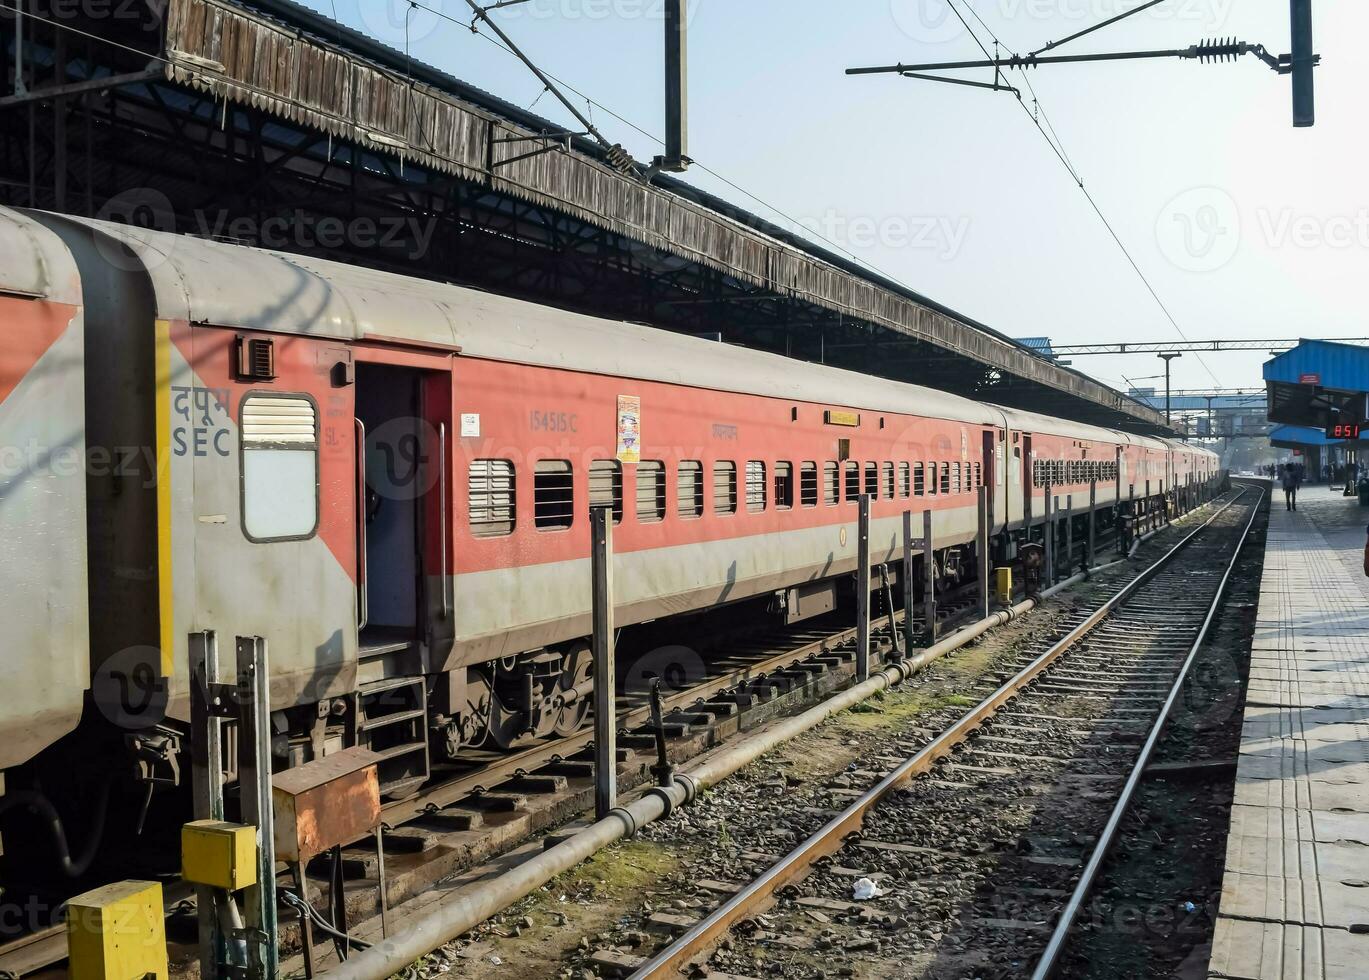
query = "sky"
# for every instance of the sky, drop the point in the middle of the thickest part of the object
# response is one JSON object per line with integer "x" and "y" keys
{"x": 1243, "y": 226}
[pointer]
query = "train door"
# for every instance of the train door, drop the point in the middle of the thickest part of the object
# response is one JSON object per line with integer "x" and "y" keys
{"x": 990, "y": 441}
{"x": 1028, "y": 476}
{"x": 403, "y": 554}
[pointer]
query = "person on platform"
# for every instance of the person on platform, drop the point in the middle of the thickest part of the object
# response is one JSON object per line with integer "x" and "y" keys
{"x": 1290, "y": 487}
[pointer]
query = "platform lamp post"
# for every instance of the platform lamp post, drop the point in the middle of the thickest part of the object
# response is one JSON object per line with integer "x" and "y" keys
{"x": 1167, "y": 356}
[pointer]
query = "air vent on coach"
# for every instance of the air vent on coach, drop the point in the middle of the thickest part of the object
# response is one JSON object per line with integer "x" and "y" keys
{"x": 256, "y": 359}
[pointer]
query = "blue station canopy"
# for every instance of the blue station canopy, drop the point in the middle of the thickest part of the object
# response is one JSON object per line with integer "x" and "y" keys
{"x": 1318, "y": 383}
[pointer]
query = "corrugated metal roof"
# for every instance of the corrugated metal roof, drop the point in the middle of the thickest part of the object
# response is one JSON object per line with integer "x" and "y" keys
{"x": 301, "y": 74}
{"x": 1344, "y": 367}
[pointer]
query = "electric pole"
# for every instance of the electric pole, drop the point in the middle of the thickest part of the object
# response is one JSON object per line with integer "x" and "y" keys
{"x": 1168, "y": 356}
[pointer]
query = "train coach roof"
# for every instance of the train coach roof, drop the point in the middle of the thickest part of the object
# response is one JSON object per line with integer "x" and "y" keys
{"x": 204, "y": 281}
{"x": 34, "y": 262}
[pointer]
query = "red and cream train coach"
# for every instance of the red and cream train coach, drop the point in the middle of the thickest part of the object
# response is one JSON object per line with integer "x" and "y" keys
{"x": 390, "y": 480}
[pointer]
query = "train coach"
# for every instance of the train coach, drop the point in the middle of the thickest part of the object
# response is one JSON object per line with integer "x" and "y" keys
{"x": 390, "y": 479}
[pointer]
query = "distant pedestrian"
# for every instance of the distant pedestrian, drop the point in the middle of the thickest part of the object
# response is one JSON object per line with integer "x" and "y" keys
{"x": 1290, "y": 487}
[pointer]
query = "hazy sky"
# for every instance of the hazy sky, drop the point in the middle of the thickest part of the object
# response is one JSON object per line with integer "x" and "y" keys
{"x": 1245, "y": 226}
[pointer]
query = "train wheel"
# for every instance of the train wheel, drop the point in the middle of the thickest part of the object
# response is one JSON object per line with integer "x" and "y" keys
{"x": 576, "y": 670}
{"x": 499, "y": 727}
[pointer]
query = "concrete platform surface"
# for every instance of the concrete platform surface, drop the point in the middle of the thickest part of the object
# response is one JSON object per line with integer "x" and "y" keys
{"x": 1295, "y": 897}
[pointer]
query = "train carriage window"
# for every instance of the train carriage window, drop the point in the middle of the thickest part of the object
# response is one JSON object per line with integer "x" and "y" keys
{"x": 852, "y": 480}
{"x": 808, "y": 484}
{"x": 945, "y": 485}
{"x": 978, "y": 475}
{"x": 724, "y": 487}
{"x": 553, "y": 495}
{"x": 491, "y": 485}
{"x": 784, "y": 485}
{"x": 905, "y": 482}
{"x": 956, "y": 485}
{"x": 689, "y": 489}
{"x": 872, "y": 479}
{"x": 650, "y": 491}
{"x": 606, "y": 486}
{"x": 887, "y": 481}
{"x": 919, "y": 480}
{"x": 279, "y": 467}
{"x": 932, "y": 481}
{"x": 755, "y": 486}
{"x": 831, "y": 490}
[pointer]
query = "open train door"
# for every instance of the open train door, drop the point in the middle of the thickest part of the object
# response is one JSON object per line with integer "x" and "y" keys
{"x": 1028, "y": 473}
{"x": 404, "y": 550}
{"x": 990, "y": 442}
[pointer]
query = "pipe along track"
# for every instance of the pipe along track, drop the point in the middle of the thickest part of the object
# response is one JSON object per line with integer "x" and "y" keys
{"x": 467, "y": 906}
{"x": 1127, "y": 659}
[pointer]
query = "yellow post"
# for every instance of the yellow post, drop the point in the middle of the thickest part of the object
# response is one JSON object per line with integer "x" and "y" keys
{"x": 117, "y": 933}
{"x": 1004, "y": 583}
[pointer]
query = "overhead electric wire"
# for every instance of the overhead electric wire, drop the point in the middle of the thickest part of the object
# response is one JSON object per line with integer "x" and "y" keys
{"x": 1060, "y": 153}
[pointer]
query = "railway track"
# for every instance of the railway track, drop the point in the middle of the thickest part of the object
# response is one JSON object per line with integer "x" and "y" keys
{"x": 995, "y": 829}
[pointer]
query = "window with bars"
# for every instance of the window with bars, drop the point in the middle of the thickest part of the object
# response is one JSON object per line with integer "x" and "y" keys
{"x": 933, "y": 480}
{"x": 852, "y": 481}
{"x": 724, "y": 487}
{"x": 650, "y": 491}
{"x": 689, "y": 489}
{"x": 919, "y": 480}
{"x": 808, "y": 484}
{"x": 784, "y": 485}
{"x": 553, "y": 495}
{"x": 831, "y": 488}
{"x": 905, "y": 483}
{"x": 945, "y": 485}
{"x": 491, "y": 494}
{"x": 956, "y": 486}
{"x": 755, "y": 486}
{"x": 978, "y": 475}
{"x": 606, "y": 486}
{"x": 872, "y": 479}
{"x": 887, "y": 483}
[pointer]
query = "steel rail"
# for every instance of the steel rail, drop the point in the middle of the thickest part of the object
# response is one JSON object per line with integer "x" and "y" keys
{"x": 1050, "y": 958}
{"x": 706, "y": 933}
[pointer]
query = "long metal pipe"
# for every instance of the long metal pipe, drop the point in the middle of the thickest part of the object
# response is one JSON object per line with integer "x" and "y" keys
{"x": 468, "y": 907}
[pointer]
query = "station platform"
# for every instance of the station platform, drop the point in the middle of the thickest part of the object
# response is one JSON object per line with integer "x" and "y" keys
{"x": 1295, "y": 897}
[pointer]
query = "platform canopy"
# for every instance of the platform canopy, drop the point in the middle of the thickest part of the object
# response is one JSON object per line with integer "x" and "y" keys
{"x": 1302, "y": 437}
{"x": 266, "y": 123}
{"x": 1318, "y": 384}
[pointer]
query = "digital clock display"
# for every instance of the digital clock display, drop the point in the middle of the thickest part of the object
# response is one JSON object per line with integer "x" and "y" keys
{"x": 1343, "y": 430}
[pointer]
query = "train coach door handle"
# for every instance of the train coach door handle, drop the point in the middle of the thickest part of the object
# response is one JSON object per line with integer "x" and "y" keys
{"x": 442, "y": 514}
{"x": 363, "y": 603}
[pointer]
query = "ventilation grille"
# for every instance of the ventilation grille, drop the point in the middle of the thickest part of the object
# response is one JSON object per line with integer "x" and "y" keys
{"x": 270, "y": 422}
{"x": 256, "y": 359}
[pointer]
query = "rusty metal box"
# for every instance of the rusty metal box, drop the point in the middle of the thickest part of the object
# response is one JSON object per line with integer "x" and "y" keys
{"x": 325, "y": 803}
